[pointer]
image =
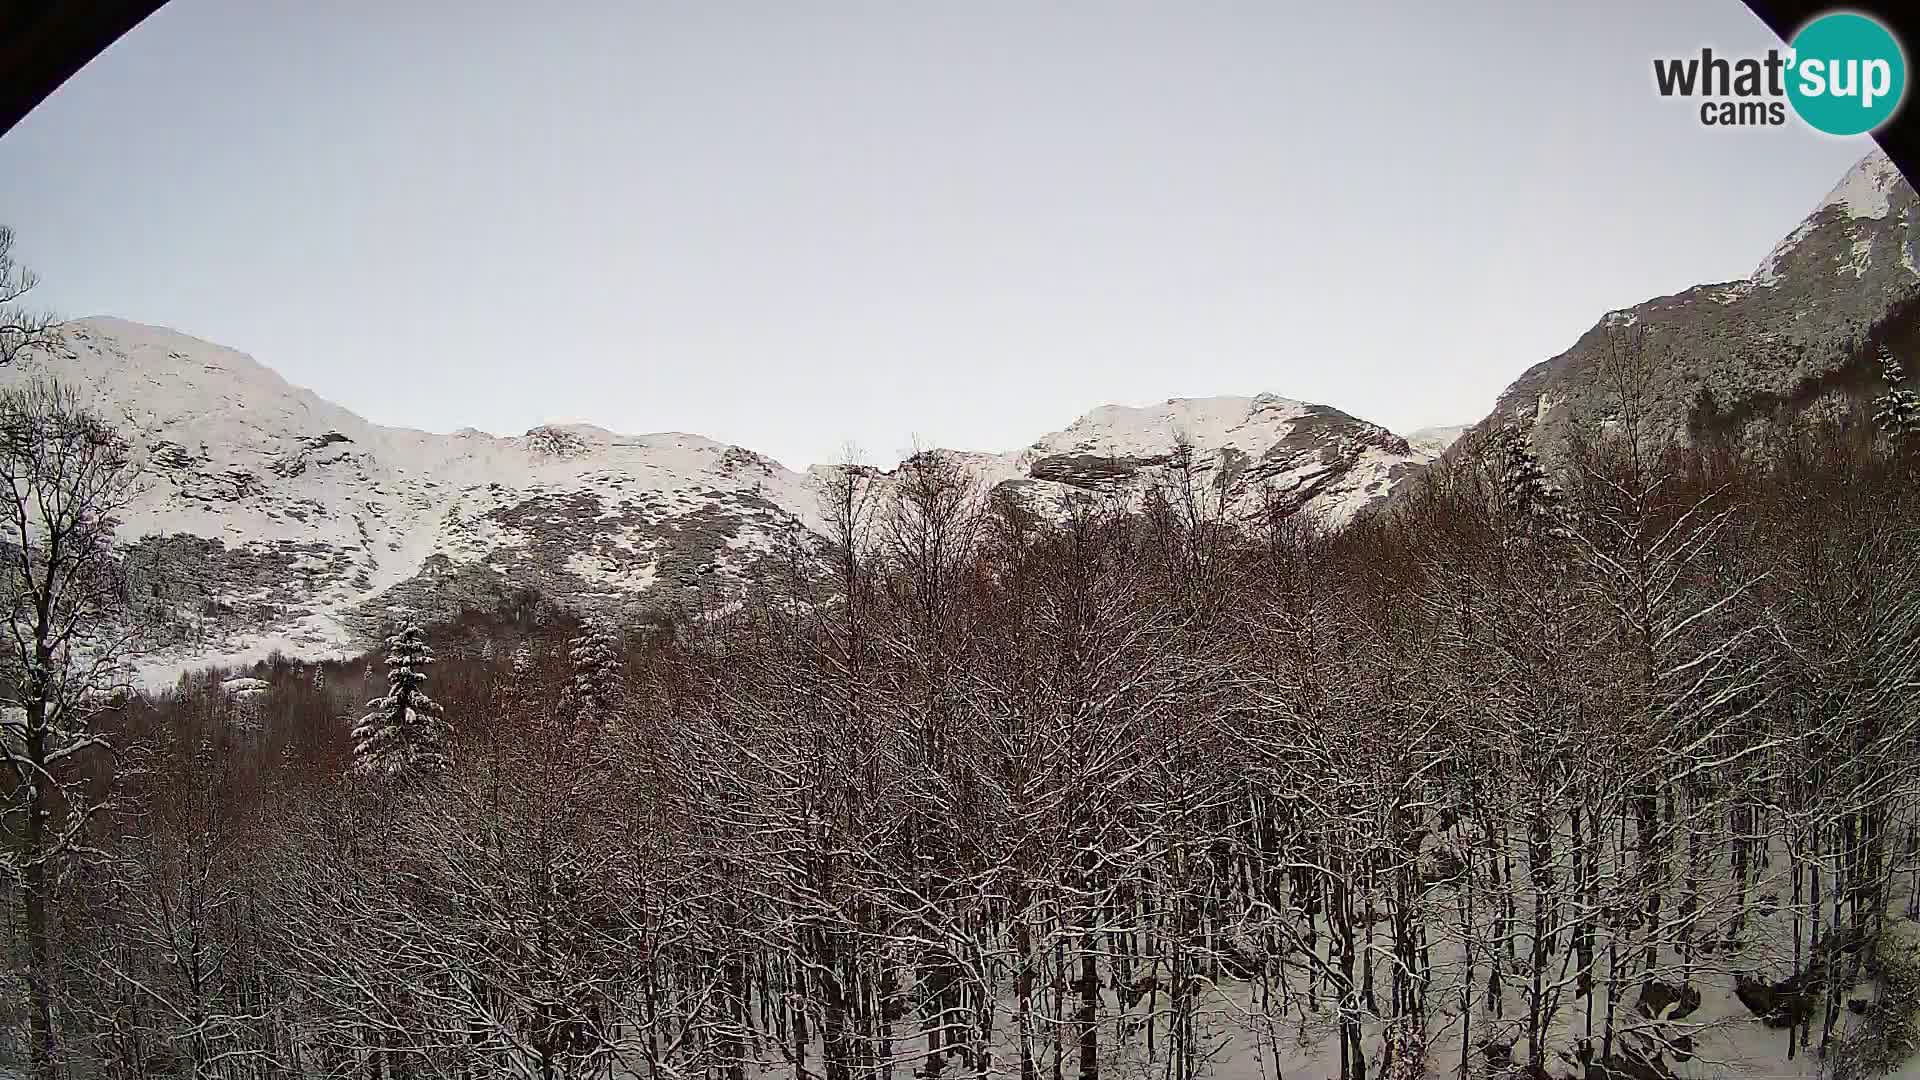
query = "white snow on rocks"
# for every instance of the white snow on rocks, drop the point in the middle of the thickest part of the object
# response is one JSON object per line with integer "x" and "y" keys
{"x": 1245, "y": 423}
{"x": 340, "y": 510}
{"x": 1437, "y": 438}
{"x": 1864, "y": 192}
{"x": 246, "y": 687}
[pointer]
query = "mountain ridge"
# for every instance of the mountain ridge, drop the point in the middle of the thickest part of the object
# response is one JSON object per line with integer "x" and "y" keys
{"x": 1736, "y": 359}
{"x": 292, "y": 523}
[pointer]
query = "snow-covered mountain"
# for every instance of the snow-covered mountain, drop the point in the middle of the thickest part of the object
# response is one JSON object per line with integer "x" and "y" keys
{"x": 1438, "y": 437}
{"x": 283, "y": 521}
{"x": 1248, "y": 455}
{"x": 1736, "y": 357}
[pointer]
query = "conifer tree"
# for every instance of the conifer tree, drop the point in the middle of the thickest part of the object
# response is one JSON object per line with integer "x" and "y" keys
{"x": 591, "y": 696}
{"x": 1525, "y": 481}
{"x": 1525, "y": 486}
{"x": 1897, "y": 411}
{"x": 403, "y": 737}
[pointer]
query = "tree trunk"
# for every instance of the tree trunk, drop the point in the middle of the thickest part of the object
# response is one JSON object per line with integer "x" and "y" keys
{"x": 39, "y": 935}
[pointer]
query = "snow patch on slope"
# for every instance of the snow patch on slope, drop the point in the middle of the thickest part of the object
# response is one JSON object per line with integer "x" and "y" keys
{"x": 1154, "y": 429}
{"x": 1251, "y": 454}
{"x": 1437, "y": 438}
{"x": 1865, "y": 192}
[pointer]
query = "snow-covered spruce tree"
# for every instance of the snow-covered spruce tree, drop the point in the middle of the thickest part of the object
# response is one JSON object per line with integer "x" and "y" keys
{"x": 1525, "y": 486}
{"x": 1897, "y": 411}
{"x": 592, "y": 694}
{"x": 403, "y": 737}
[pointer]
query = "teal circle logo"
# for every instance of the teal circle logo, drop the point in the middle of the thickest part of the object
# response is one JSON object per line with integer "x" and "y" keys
{"x": 1848, "y": 74}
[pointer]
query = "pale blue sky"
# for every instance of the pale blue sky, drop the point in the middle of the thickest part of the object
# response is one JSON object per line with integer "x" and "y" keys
{"x": 794, "y": 224}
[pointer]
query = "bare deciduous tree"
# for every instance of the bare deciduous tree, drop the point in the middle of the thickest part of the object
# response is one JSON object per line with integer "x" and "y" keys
{"x": 21, "y": 327}
{"x": 66, "y": 641}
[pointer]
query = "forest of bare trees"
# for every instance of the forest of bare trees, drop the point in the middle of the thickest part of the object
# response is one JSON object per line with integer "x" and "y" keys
{"x": 1608, "y": 771}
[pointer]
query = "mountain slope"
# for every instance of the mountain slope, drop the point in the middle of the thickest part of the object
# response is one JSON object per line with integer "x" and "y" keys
{"x": 1731, "y": 357}
{"x": 1249, "y": 455}
{"x": 277, "y": 519}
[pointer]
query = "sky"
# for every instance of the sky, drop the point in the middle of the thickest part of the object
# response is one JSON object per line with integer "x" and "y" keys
{"x": 800, "y": 226}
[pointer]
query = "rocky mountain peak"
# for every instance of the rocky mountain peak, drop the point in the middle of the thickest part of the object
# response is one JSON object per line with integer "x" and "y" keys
{"x": 1732, "y": 358}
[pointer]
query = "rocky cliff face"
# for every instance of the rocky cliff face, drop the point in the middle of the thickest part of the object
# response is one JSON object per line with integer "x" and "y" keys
{"x": 1249, "y": 455}
{"x": 277, "y": 520}
{"x": 1730, "y": 357}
